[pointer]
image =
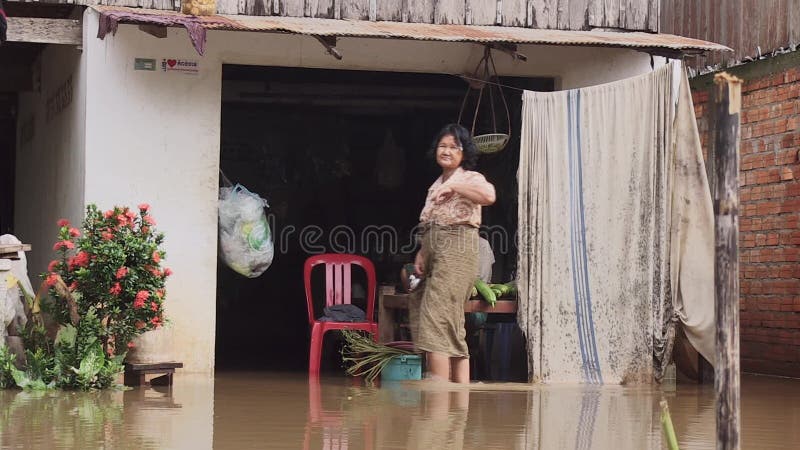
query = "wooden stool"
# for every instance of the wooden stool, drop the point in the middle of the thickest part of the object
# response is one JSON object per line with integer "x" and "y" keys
{"x": 135, "y": 373}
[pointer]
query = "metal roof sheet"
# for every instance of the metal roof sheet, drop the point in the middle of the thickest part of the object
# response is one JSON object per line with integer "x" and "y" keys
{"x": 421, "y": 31}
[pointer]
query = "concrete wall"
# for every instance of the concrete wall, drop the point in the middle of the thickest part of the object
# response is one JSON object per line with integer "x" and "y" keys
{"x": 50, "y": 154}
{"x": 154, "y": 136}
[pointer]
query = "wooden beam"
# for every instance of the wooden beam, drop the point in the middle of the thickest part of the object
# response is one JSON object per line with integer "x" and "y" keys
{"x": 727, "y": 105}
{"x": 510, "y": 49}
{"x": 329, "y": 42}
{"x": 10, "y": 251}
{"x": 45, "y": 31}
{"x": 157, "y": 31}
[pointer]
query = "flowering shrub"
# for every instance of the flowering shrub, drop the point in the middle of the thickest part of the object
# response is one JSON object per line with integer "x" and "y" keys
{"x": 113, "y": 267}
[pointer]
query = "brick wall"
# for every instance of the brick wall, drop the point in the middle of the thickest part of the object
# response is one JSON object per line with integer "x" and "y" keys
{"x": 769, "y": 223}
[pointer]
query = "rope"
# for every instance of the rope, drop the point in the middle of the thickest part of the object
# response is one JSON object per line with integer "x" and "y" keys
{"x": 466, "y": 77}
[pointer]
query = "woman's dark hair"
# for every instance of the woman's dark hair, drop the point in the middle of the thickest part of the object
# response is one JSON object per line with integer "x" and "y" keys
{"x": 463, "y": 138}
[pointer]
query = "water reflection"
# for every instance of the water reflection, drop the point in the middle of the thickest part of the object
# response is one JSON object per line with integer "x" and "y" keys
{"x": 146, "y": 418}
{"x": 259, "y": 410}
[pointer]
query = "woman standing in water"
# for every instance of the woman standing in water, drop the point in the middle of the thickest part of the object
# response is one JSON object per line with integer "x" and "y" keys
{"x": 448, "y": 259}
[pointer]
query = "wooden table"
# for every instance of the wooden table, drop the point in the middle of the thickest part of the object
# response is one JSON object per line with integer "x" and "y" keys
{"x": 11, "y": 251}
{"x": 389, "y": 302}
{"x": 135, "y": 373}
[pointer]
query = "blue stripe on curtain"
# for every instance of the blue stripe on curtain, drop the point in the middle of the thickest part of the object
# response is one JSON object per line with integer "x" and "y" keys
{"x": 580, "y": 272}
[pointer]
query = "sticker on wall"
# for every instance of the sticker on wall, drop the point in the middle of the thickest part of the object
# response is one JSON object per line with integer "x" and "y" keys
{"x": 144, "y": 64}
{"x": 185, "y": 66}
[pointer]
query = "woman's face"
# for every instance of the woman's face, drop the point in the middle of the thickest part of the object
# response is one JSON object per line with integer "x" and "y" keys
{"x": 448, "y": 153}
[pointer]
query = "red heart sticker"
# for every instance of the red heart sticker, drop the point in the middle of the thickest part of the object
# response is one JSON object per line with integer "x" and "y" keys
{"x": 172, "y": 62}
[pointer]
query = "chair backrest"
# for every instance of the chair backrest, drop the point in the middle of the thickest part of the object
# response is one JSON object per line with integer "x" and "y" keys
{"x": 338, "y": 285}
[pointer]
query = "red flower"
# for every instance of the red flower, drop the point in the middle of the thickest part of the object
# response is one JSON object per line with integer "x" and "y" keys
{"x": 141, "y": 298}
{"x": 79, "y": 260}
{"x": 154, "y": 306}
{"x": 139, "y": 324}
{"x": 167, "y": 272}
{"x": 122, "y": 220}
{"x": 74, "y": 232}
{"x": 63, "y": 222}
{"x": 150, "y": 220}
{"x": 73, "y": 286}
{"x": 131, "y": 345}
{"x": 52, "y": 266}
{"x": 63, "y": 245}
{"x": 156, "y": 321}
{"x": 156, "y": 257}
{"x": 51, "y": 279}
{"x": 155, "y": 272}
{"x": 130, "y": 215}
{"x": 107, "y": 236}
{"x": 160, "y": 293}
{"x": 82, "y": 259}
{"x": 145, "y": 230}
{"x": 108, "y": 214}
{"x": 143, "y": 206}
{"x": 115, "y": 290}
{"x": 121, "y": 272}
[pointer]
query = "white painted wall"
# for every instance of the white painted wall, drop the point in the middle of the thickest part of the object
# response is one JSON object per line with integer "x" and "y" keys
{"x": 49, "y": 181}
{"x": 154, "y": 136}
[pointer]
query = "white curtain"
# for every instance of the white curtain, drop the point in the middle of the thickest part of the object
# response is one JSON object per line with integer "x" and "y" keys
{"x": 615, "y": 230}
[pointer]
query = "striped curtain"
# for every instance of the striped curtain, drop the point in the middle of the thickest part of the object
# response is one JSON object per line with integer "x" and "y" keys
{"x": 599, "y": 257}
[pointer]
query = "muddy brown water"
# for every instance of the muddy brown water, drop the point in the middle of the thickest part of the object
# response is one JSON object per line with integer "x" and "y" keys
{"x": 275, "y": 410}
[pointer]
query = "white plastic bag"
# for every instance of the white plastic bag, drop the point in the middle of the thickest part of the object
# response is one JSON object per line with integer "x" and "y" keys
{"x": 245, "y": 240}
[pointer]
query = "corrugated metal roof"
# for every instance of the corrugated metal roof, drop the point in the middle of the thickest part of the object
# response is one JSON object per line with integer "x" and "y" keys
{"x": 420, "y": 31}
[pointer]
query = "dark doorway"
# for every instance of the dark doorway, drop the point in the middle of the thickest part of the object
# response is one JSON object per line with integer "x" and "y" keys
{"x": 329, "y": 148}
{"x": 8, "y": 150}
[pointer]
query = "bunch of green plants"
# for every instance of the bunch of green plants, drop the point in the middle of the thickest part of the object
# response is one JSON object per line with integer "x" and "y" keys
{"x": 76, "y": 360}
{"x": 363, "y": 357}
{"x": 105, "y": 288}
{"x": 6, "y": 365}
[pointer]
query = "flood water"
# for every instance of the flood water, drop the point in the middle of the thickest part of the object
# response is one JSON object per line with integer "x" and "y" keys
{"x": 277, "y": 410}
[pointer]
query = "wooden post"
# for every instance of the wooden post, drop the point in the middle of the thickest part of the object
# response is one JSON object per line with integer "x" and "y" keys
{"x": 727, "y": 95}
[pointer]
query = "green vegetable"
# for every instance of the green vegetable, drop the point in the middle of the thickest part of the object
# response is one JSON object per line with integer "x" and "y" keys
{"x": 501, "y": 288}
{"x": 486, "y": 292}
{"x": 666, "y": 426}
{"x": 512, "y": 288}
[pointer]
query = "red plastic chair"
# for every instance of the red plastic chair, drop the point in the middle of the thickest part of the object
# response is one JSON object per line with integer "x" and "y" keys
{"x": 337, "y": 292}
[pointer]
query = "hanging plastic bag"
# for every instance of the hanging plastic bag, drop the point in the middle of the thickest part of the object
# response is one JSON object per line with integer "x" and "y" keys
{"x": 245, "y": 240}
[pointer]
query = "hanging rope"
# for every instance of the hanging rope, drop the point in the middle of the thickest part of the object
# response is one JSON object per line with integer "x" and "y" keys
{"x": 467, "y": 77}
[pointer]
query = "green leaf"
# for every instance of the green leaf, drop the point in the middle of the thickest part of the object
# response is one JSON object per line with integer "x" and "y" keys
{"x": 66, "y": 336}
{"x": 90, "y": 366}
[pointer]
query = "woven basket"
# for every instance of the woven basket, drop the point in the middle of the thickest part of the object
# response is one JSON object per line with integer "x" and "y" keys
{"x": 491, "y": 143}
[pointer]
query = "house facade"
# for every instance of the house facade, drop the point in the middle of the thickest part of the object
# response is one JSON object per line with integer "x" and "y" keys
{"x": 136, "y": 116}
